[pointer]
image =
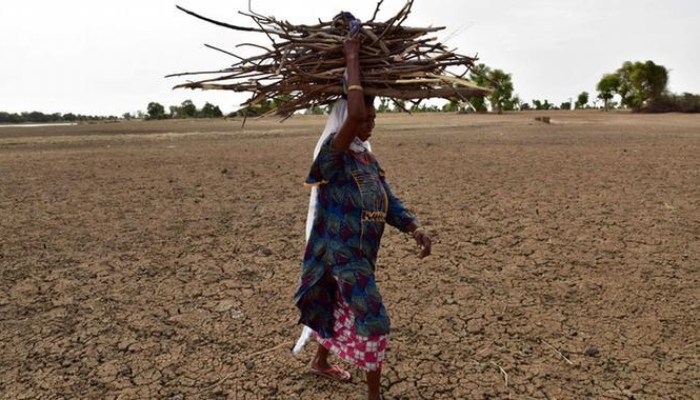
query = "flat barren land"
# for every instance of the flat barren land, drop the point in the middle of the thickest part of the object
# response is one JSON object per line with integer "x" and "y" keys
{"x": 158, "y": 260}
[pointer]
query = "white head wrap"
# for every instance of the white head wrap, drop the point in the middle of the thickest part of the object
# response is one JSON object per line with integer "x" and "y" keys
{"x": 335, "y": 121}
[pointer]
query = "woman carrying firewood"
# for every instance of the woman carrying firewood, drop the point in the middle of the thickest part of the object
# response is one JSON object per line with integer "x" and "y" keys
{"x": 350, "y": 204}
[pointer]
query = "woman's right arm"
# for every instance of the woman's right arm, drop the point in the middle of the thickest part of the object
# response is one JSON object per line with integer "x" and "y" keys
{"x": 356, "y": 100}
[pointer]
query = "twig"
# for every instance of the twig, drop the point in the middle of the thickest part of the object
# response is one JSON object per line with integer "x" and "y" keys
{"x": 558, "y": 352}
{"x": 270, "y": 350}
{"x": 223, "y": 51}
{"x": 217, "y": 383}
{"x": 225, "y": 25}
{"x": 304, "y": 64}
{"x": 503, "y": 372}
{"x": 376, "y": 10}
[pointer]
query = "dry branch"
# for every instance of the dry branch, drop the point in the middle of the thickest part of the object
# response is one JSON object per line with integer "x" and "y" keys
{"x": 303, "y": 65}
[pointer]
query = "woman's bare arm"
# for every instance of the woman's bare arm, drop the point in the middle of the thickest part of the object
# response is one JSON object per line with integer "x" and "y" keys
{"x": 356, "y": 101}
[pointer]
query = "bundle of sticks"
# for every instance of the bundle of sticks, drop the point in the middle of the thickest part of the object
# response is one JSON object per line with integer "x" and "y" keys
{"x": 304, "y": 65}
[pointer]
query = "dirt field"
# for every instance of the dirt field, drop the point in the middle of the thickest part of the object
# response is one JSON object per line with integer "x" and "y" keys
{"x": 157, "y": 260}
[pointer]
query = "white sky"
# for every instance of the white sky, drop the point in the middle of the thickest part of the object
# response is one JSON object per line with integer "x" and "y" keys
{"x": 109, "y": 57}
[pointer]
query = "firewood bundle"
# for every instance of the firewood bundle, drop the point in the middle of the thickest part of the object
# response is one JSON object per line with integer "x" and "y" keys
{"x": 304, "y": 65}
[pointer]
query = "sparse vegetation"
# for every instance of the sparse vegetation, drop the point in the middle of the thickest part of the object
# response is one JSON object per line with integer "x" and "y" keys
{"x": 639, "y": 86}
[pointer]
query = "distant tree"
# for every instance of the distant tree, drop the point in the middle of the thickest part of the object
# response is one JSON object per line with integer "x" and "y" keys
{"x": 281, "y": 100}
{"x": 565, "y": 105}
{"x": 37, "y": 116}
{"x": 451, "y": 106}
{"x": 155, "y": 111}
{"x": 686, "y": 103}
{"x": 127, "y": 116}
{"x": 70, "y": 117}
{"x": 210, "y": 111}
{"x": 399, "y": 105}
{"x": 479, "y": 75}
{"x": 478, "y": 102}
{"x": 383, "y": 105}
{"x": 315, "y": 110}
{"x": 539, "y": 105}
{"x": 187, "y": 109}
{"x": 639, "y": 84}
{"x": 257, "y": 109}
{"x": 582, "y": 100}
{"x": 8, "y": 118}
{"x": 501, "y": 99}
{"x": 517, "y": 103}
{"x": 607, "y": 87}
{"x": 525, "y": 106}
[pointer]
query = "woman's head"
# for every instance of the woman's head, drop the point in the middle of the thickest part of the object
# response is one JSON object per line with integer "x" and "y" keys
{"x": 370, "y": 113}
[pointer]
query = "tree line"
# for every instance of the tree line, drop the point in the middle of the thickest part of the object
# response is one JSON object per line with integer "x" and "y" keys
{"x": 187, "y": 109}
{"x": 641, "y": 86}
{"x": 36, "y": 117}
{"x": 638, "y": 86}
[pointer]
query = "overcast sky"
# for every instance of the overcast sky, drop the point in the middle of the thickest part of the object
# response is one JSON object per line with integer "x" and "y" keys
{"x": 110, "y": 57}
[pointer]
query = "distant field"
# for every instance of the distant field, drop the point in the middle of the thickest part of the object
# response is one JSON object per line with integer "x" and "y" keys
{"x": 143, "y": 260}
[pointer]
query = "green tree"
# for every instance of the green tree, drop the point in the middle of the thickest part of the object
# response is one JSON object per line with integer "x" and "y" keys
{"x": 582, "y": 100}
{"x": 383, "y": 105}
{"x": 607, "y": 87}
{"x": 478, "y": 102}
{"x": 210, "y": 111}
{"x": 641, "y": 83}
{"x": 501, "y": 99}
{"x": 13, "y": 118}
{"x": 565, "y": 105}
{"x": 155, "y": 111}
{"x": 259, "y": 108}
{"x": 517, "y": 103}
{"x": 187, "y": 109}
{"x": 539, "y": 105}
{"x": 315, "y": 110}
{"x": 399, "y": 105}
{"x": 451, "y": 106}
{"x": 479, "y": 75}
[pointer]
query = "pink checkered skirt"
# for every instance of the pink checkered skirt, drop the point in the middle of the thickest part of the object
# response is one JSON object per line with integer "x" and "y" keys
{"x": 365, "y": 352}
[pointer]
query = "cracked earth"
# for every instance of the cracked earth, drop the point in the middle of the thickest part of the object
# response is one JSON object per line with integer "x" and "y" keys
{"x": 158, "y": 260}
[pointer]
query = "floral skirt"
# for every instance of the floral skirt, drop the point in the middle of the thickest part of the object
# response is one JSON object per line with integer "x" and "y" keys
{"x": 365, "y": 352}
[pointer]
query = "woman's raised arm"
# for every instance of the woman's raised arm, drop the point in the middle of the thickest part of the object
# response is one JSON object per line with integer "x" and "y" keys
{"x": 356, "y": 100}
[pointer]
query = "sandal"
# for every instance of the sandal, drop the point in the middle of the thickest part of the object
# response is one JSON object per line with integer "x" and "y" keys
{"x": 335, "y": 373}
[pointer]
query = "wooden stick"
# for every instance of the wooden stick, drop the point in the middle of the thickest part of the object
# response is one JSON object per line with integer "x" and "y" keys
{"x": 307, "y": 62}
{"x": 558, "y": 352}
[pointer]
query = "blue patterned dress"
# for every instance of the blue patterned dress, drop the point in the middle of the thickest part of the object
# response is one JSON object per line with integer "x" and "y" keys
{"x": 354, "y": 203}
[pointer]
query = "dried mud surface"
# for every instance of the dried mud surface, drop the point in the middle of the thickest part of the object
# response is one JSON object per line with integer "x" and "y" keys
{"x": 158, "y": 260}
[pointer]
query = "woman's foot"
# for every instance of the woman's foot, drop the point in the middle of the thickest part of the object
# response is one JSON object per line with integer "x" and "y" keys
{"x": 321, "y": 367}
{"x": 335, "y": 373}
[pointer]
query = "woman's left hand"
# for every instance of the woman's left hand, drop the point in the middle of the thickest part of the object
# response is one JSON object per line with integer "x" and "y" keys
{"x": 423, "y": 241}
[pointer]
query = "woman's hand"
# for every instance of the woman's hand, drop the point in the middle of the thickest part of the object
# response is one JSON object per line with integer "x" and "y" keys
{"x": 423, "y": 242}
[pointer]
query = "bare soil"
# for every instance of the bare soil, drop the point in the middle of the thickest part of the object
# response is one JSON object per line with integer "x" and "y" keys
{"x": 157, "y": 260}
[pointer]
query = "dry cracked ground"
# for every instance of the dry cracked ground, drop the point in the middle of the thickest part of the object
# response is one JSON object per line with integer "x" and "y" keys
{"x": 157, "y": 260}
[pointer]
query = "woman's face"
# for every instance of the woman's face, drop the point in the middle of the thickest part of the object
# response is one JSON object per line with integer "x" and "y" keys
{"x": 366, "y": 128}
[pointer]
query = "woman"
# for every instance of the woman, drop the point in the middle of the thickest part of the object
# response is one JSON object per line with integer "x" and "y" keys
{"x": 338, "y": 297}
